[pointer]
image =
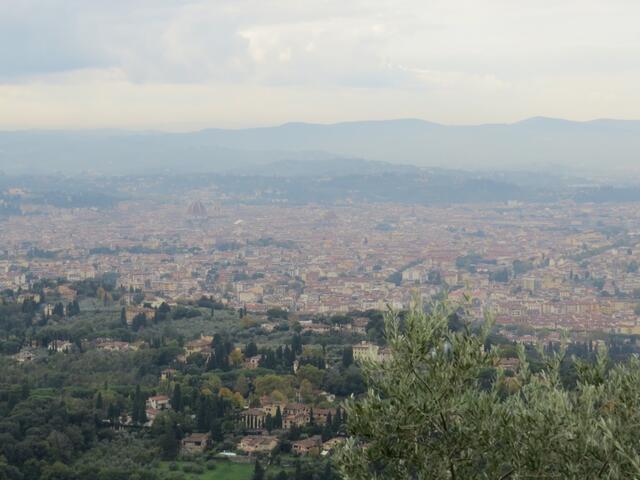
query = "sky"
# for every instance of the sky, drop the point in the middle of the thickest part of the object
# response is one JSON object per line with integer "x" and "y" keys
{"x": 189, "y": 64}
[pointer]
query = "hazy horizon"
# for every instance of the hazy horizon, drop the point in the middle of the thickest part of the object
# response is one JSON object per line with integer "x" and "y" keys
{"x": 195, "y": 128}
{"x": 537, "y": 144}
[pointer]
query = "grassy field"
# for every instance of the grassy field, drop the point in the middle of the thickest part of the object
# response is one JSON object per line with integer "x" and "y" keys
{"x": 223, "y": 471}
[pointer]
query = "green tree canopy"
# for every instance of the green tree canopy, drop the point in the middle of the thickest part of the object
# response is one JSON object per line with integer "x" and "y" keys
{"x": 426, "y": 414}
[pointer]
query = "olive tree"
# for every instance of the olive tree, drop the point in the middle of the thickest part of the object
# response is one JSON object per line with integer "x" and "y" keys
{"x": 427, "y": 415}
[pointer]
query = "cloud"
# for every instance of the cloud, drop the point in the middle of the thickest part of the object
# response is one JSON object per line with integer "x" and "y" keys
{"x": 44, "y": 38}
{"x": 431, "y": 57}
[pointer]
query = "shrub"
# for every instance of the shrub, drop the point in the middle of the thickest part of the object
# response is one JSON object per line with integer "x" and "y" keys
{"x": 428, "y": 415}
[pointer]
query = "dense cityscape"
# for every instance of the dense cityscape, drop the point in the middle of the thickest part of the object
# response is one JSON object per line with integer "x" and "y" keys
{"x": 561, "y": 266}
{"x": 294, "y": 240}
{"x": 260, "y": 313}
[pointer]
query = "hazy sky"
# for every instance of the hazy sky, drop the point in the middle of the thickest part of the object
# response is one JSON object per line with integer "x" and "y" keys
{"x": 184, "y": 64}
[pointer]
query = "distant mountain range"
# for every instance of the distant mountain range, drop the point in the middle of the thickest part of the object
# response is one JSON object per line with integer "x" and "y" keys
{"x": 537, "y": 144}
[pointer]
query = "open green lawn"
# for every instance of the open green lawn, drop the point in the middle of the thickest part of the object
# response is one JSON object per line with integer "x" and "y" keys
{"x": 224, "y": 471}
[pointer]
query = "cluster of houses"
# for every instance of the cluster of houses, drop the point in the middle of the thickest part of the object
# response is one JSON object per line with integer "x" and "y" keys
{"x": 367, "y": 351}
{"x": 30, "y": 352}
{"x": 109, "y": 345}
{"x": 156, "y": 405}
{"x": 292, "y": 414}
{"x": 355, "y": 325}
{"x": 200, "y": 345}
{"x": 259, "y": 442}
{"x": 265, "y": 444}
{"x": 254, "y": 420}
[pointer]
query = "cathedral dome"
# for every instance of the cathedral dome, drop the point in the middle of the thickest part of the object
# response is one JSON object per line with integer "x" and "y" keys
{"x": 197, "y": 209}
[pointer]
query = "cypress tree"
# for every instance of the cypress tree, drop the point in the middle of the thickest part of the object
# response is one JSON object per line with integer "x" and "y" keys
{"x": 58, "y": 309}
{"x": 258, "y": 471}
{"x": 296, "y": 345}
{"x": 139, "y": 415}
{"x": 337, "y": 420}
{"x": 347, "y": 357}
{"x": 212, "y": 363}
{"x": 170, "y": 440}
{"x": 201, "y": 415}
{"x": 268, "y": 423}
{"x": 277, "y": 421}
{"x": 176, "y": 399}
{"x": 112, "y": 413}
{"x": 327, "y": 474}
{"x": 251, "y": 349}
{"x": 216, "y": 431}
{"x": 327, "y": 431}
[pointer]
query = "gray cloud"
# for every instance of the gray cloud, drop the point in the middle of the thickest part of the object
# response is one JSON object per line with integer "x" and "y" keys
{"x": 42, "y": 38}
{"x": 512, "y": 57}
